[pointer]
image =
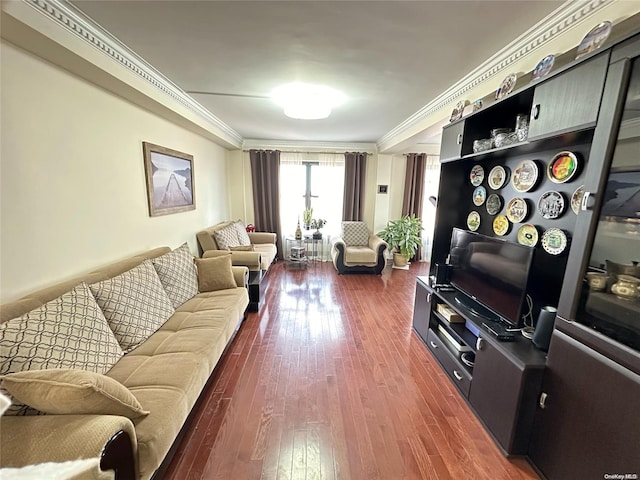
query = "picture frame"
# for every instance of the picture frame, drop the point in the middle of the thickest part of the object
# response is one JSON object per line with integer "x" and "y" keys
{"x": 170, "y": 180}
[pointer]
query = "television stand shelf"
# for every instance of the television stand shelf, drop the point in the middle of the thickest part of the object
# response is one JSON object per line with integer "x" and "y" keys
{"x": 502, "y": 386}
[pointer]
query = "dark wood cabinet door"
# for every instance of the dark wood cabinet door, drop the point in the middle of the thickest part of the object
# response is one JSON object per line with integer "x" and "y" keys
{"x": 570, "y": 101}
{"x": 422, "y": 309}
{"x": 451, "y": 145}
{"x": 503, "y": 394}
{"x": 590, "y": 424}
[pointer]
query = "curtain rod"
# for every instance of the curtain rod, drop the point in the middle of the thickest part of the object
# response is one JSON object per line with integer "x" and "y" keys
{"x": 296, "y": 151}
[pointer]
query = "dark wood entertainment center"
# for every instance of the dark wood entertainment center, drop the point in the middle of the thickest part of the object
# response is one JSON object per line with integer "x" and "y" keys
{"x": 574, "y": 412}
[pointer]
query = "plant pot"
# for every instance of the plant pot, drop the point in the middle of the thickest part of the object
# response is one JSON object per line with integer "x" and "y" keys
{"x": 400, "y": 260}
{"x": 317, "y": 235}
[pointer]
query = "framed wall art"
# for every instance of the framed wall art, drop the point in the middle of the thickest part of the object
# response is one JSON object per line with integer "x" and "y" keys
{"x": 170, "y": 180}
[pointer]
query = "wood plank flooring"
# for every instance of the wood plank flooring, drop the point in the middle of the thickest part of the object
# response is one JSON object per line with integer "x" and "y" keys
{"x": 328, "y": 381}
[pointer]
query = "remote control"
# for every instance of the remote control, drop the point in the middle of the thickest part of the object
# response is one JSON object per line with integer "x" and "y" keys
{"x": 499, "y": 332}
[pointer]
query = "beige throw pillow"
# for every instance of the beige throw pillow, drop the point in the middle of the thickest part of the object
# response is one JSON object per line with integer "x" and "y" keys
{"x": 215, "y": 273}
{"x": 242, "y": 248}
{"x": 72, "y": 392}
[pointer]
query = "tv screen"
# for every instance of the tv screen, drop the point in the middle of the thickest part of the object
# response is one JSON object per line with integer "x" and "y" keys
{"x": 493, "y": 272}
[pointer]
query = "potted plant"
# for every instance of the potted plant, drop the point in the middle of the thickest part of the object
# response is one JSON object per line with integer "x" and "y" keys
{"x": 403, "y": 237}
{"x": 318, "y": 223}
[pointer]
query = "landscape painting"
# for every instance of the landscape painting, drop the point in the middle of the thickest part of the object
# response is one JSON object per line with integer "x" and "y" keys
{"x": 169, "y": 180}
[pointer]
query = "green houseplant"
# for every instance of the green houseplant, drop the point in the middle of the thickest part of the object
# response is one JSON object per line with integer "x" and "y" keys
{"x": 403, "y": 237}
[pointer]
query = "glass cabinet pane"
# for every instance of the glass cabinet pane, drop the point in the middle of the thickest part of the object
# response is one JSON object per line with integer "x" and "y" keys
{"x": 610, "y": 299}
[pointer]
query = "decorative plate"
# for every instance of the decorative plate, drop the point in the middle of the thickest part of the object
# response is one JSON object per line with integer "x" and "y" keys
{"x": 544, "y": 66}
{"x": 458, "y": 110}
{"x": 524, "y": 176}
{"x": 517, "y": 210}
{"x": 479, "y": 196}
{"x": 507, "y": 86}
{"x": 494, "y": 204}
{"x": 473, "y": 221}
{"x": 476, "y": 175}
{"x": 497, "y": 177}
{"x": 501, "y": 225}
{"x": 554, "y": 241}
{"x": 594, "y": 39}
{"x": 551, "y": 205}
{"x": 562, "y": 167}
{"x": 576, "y": 199}
{"x": 528, "y": 235}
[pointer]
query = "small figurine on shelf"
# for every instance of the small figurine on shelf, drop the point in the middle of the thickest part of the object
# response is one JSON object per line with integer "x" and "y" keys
{"x": 318, "y": 223}
{"x": 298, "y": 231}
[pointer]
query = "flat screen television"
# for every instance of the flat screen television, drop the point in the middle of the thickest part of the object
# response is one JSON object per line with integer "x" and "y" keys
{"x": 491, "y": 272}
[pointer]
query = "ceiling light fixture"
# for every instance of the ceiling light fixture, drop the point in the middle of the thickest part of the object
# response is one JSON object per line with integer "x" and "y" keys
{"x": 306, "y": 101}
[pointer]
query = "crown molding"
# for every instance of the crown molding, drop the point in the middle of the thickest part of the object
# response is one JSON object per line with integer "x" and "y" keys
{"x": 559, "y": 21}
{"x": 286, "y": 145}
{"x": 68, "y": 17}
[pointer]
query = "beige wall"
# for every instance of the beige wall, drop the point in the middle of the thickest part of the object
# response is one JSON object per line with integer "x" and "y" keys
{"x": 73, "y": 193}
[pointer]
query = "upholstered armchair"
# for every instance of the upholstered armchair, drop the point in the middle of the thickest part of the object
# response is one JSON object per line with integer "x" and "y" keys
{"x": 358, "y": 250}
{"x": 254, "y": 250}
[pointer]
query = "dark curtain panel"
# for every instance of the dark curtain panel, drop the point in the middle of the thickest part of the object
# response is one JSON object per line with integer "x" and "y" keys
{"x": 414, "y": 187}
{"x": 414, "y": 184}
{"x": 265, "y": 174}
{"x": 354, "y": 176}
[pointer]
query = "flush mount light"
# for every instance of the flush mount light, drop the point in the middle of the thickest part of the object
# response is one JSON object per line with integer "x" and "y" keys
{"x": 306, "y": 101}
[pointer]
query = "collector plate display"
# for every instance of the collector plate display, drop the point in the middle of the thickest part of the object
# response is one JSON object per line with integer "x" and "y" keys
{"x": 554, "y": 241}
{"x": 517, "y": 210}
{"x": 497, "y": 177}
{"x": 524, "y": 176}
{"x": 551, "y": 205}
{"x": 507, "y": 86}
{"x": 501, "y": 225}
{"x": 473, "y": 221}
{"x": 544, "y": 66}
{"x": 528, "y": 235}
{"x": 594, "y": 39}
{"x": 576, "y": 199}
{"x": 562, "y": 167}
{"x": 494, "y": 204}
{"x": 479, "y": 196}
{"x": 477, "y": 175}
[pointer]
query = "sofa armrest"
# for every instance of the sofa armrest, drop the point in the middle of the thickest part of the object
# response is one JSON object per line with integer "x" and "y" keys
{"x": 28, "y": 440}
{"x": 239, "y": 258}
{"x": 376, "y": 243}
{"x": 241, "y": 276}
{"x": 262, "y": 237}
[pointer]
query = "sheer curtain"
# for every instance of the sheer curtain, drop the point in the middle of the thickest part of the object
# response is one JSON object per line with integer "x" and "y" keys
{"x": 327, "y": 185}
{"x": 431, "y": 184}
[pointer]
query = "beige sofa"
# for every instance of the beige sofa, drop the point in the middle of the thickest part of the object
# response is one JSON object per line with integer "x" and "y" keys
{"x": 166, "y": 374}
{"x": 262, "y": 245}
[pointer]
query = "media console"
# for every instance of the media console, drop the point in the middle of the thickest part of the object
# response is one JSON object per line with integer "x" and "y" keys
{"x": 502, "y": 382}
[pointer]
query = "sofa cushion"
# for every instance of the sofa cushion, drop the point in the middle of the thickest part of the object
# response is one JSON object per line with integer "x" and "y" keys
{"x": 241, "y": 230}
{"x": 215, "y": 273}
{"x": 178, "y": 274}
{"x": 134, "y": 303}
{"x": 227, "y": 236}
{"x": 242, "y": 248}
{"x": 72, "y": 392}
{"x": 360, "y": 256}
{"x": 355, "y": 233}
{"x": 67, "y": 332}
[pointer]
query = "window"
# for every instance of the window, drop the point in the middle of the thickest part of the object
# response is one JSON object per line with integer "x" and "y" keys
{"x": 311, "y": 181}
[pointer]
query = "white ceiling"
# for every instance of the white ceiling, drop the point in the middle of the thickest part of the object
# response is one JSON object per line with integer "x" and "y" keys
{"x": 390, "y": 58}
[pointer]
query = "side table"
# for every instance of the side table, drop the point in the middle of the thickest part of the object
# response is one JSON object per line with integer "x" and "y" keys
{"x": 295, "y": 252}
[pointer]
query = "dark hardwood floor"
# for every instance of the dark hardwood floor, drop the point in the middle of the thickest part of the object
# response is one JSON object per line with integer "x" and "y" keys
{"x": 328, "y": 381}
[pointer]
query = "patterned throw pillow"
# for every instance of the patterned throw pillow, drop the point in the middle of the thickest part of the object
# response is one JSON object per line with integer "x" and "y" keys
{"x": 243, "y": 236}
{"x": 178, "y": 274}
{"x": 134, "y": 304}
{"x": 227, "y": 237}
{"x": 67, "y": 332}
{"x": 355, "y": 234}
